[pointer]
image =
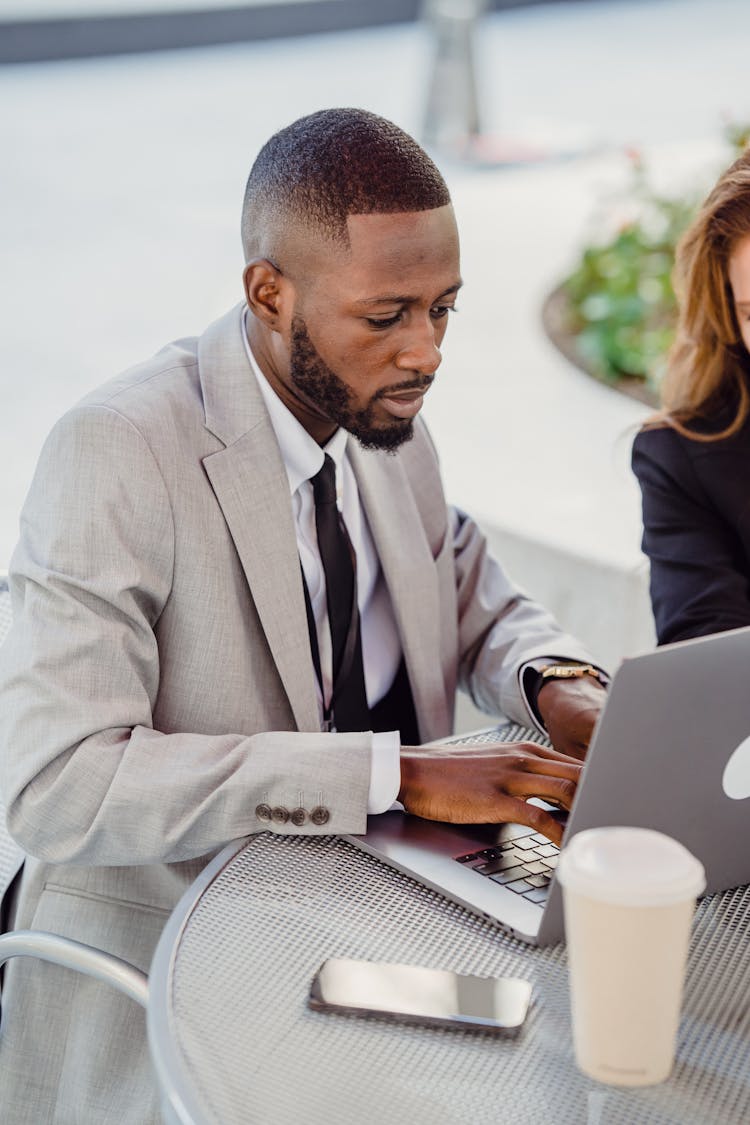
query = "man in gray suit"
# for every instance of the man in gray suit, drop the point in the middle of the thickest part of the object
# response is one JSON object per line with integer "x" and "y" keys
{"x": 179, "y": 673}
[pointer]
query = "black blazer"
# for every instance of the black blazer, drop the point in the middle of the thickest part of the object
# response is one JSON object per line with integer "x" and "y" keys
{"x": 696, "y": 519}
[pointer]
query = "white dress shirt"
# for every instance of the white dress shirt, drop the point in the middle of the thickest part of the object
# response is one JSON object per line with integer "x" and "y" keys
{"x": 381, "y": 646}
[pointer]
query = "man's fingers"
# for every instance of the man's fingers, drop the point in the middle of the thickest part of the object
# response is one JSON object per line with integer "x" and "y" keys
{"x": 567, "y": 768}
{"x": 557, "y": 790}
{"x": 488, "y": 784}
{"x": 534, "y": 750}
{"x": 535, "y": 818}
{"x": 523, "y": 758}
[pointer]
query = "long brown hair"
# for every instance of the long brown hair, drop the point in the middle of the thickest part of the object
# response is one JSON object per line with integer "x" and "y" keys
{"x": 707, "y": 367}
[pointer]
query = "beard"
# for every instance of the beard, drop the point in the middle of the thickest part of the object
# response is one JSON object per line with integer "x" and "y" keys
{"x": 331, "y": 395}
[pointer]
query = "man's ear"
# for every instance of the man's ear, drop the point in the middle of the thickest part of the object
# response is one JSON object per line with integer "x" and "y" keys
{"x": 266, "y": 291}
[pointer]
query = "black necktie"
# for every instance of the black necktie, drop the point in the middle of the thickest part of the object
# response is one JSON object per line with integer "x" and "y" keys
{"x": 349, "y": 699}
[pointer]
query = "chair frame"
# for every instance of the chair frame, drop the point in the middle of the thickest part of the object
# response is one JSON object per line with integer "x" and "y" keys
{"x": 75, "y": 955}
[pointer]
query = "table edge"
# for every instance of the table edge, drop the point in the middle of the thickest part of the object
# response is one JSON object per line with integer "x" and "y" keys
{"x": 176, "y": 1091}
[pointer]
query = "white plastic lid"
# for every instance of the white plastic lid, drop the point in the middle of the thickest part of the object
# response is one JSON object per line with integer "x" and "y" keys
{"x": 630, "y": 867}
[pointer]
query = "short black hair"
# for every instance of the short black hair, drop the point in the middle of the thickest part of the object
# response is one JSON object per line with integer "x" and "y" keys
{"x": 332, "y": 164}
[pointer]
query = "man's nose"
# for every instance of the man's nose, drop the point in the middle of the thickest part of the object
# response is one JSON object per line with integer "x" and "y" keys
{"x": 421, "y": 352}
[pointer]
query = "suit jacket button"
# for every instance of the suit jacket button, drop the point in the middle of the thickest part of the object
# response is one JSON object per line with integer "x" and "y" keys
{"x": 263, "y": 812}
{"x": 280, "y": 814}
{"x": 299, "y": 816}
{"x": 320, "y": 815}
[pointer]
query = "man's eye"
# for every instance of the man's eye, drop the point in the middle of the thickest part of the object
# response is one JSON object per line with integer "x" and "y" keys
{"x": 437, "y": 312}
{"x": 383, "y": 322}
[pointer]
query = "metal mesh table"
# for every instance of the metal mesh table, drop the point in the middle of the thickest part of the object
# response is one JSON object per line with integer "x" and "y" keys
{"x": 234, "y": 1042}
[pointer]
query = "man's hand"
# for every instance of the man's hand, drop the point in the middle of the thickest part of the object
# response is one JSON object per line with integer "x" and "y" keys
{"x": 488, "y": 783}
{"x": 569, "y": 710}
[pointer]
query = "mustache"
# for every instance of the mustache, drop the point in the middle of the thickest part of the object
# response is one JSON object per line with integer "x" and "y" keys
{"x": 422, "y": 383}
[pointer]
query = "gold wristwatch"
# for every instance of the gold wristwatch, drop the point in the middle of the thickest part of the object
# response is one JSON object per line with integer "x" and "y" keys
{"x": 571, "y": 672}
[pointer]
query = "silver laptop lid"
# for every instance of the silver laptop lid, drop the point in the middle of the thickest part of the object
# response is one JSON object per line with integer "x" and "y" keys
{"x": 674, "y": 720}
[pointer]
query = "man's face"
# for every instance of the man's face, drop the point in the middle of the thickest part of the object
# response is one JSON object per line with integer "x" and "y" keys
{"x": 337, "y": 402}
{"x": 367, "y": 325}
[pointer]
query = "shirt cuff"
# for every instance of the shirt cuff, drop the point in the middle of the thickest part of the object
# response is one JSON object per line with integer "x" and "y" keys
{"x": 530, "y": 681}
{"x": 385, "y": 771}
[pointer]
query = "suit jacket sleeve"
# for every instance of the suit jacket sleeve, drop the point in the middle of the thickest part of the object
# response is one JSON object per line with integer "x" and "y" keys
{"x": 699, "y": 582}
{"x": 500, "y": 628}
{"x": 85, "y": 776}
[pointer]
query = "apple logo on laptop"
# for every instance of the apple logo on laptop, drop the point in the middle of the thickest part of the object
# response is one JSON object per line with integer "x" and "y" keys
{"x": 736, "y": 777}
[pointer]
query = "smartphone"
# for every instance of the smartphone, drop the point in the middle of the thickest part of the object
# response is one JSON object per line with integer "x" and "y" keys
{"x": 413, "y": 994}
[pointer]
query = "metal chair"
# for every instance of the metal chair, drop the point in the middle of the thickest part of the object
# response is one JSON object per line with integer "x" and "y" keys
{"x": 75, "y": 955}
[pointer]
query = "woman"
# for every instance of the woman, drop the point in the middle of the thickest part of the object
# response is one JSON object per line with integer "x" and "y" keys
{"x": 693, "y": 460}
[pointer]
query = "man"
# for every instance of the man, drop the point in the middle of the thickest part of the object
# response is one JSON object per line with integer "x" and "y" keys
{"x": 197, "y": 632}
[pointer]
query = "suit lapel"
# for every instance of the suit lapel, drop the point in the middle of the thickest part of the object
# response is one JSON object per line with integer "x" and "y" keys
{"x": 250, "y": 484}
{"x": 409, "y": 571}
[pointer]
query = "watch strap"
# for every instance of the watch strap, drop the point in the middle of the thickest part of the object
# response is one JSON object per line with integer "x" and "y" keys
{"x": 571, "y": 672}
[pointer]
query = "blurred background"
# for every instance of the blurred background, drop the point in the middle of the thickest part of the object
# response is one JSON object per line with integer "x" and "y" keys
{"x": 127, "y": 130}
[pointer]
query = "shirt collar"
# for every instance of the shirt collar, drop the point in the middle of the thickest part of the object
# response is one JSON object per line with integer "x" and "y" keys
{"x": 302, "y": 455}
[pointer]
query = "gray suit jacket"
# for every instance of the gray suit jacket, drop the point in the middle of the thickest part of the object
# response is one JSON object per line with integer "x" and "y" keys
{"x": 158, "y": 683}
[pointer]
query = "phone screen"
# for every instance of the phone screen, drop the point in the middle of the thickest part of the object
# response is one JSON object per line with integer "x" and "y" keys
{"x": 419, "y": 995}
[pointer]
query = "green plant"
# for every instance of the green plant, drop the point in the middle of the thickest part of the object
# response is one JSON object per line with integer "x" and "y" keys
{"x": 618, "y": 303}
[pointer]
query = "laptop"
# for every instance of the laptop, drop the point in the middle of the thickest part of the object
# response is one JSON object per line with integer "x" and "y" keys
{"x": 671, "y": 751}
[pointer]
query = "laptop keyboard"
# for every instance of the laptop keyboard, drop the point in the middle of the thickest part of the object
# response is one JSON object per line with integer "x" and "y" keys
{"x": 525, "y": 863}
{"x": 508, "y": 732}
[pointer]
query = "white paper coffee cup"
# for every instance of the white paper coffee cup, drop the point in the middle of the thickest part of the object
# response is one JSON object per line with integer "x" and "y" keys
{"x": 629, "y": 896}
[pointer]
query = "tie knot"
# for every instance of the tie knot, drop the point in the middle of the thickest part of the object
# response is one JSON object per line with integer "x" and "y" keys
{"x": 324, "y": 483}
